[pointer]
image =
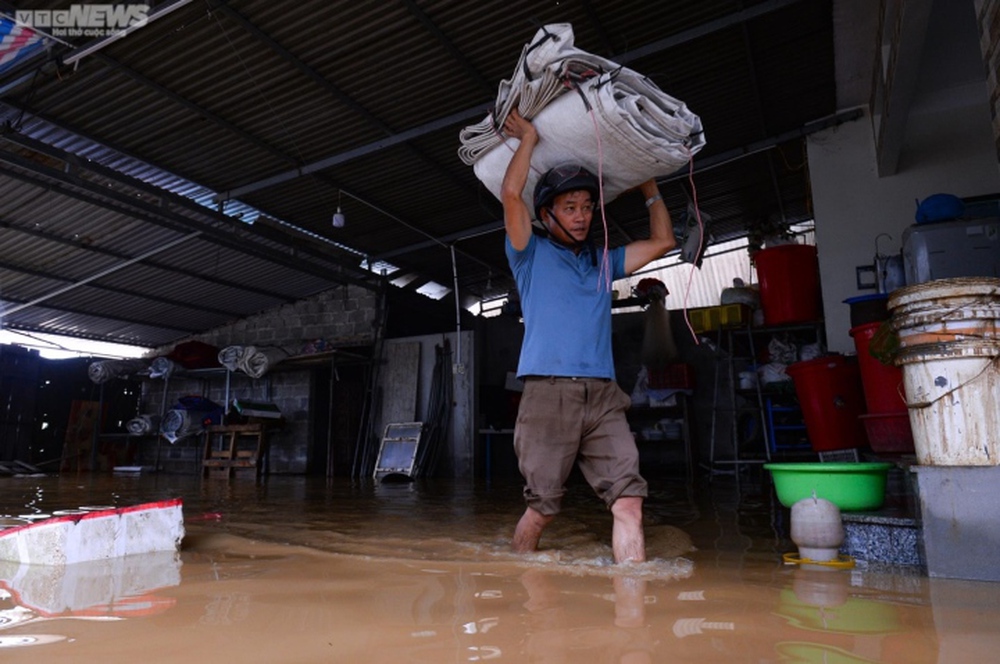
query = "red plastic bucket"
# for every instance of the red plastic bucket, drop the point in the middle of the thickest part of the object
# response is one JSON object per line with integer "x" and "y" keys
{"x": 789, "y": 283}
{"x": 883, "y": 383}
{"x": 831, "y": 398}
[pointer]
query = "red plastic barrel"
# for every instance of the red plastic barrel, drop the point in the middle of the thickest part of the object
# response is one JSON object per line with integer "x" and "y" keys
{"x": 789, "y": 284}
{"x": 831, "y": 397}
{"x": 883, "y": 383}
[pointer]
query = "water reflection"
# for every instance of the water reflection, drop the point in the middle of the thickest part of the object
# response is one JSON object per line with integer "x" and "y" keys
{"x": 846, "y": 616}
{"x": 102, "y": 590}
{"x": 820, "y": 600}
{"x": 561, "y": 629}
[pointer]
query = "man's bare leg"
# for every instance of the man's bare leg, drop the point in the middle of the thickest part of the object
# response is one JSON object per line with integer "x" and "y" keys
{"x": 529, "y": 531}
{"x": 627, "y": 539}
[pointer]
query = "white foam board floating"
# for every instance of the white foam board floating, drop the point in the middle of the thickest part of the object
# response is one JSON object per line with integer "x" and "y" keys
{"x": 95, "y": 534}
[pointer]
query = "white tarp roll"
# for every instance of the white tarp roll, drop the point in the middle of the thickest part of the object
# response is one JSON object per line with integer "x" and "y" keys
{"x": 161, "y": 367}
{"x": 251, "y": 360}
{"x": 142, "y": 425}
{"x": 588, "y": 110}
{"x": 180, "y": 423}
{"x": 104, "y": 370}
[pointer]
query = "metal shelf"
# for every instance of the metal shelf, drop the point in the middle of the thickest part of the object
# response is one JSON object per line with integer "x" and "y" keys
{"x": 736, "y": 350}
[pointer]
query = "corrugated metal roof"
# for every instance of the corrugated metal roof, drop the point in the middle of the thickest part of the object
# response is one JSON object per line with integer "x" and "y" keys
{"x": 99, "y": 157}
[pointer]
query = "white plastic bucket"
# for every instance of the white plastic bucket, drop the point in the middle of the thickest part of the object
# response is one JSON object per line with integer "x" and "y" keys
{"x": 946, "y": 310}
{"x": 953, "y": 390}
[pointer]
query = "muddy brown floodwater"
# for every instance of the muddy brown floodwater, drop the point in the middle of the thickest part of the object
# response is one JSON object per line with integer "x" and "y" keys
{"x": 295, "y": 569}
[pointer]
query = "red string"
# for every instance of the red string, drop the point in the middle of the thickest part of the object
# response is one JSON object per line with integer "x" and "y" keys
{"x": 604, "y": 277}
{"x": 701, "y": 242}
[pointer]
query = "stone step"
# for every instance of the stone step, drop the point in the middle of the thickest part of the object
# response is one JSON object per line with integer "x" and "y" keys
{"x": 882, "y": 538}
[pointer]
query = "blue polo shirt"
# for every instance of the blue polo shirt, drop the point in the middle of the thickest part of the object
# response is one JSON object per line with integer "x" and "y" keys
{"x": 567, "y": 312}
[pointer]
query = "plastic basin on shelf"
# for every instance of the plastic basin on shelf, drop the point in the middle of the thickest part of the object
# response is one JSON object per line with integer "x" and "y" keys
{"x": 852, "y": 487}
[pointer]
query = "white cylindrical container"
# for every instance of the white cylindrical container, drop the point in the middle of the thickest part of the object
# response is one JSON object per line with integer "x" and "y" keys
{"x": 952, "y": 394}
{"x": 817, "y": 529}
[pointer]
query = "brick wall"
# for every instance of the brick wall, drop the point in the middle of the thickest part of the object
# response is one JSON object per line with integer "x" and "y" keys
{"x": 342, "y": 316}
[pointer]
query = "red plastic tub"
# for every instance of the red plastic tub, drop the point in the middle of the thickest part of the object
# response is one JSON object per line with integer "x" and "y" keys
{"x": 789, "y": 284}
{"x": 883, "y": 383}
{"x": 889, "y": 433}
{"x": 832, "y": 399}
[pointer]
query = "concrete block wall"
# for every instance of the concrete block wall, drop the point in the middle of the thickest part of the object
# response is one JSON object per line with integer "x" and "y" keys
{"x": 342, "y": 317}
{"x": 459, "y": 454}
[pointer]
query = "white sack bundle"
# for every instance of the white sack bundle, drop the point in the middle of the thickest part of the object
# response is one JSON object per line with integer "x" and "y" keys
{"x": 585, "y": 108}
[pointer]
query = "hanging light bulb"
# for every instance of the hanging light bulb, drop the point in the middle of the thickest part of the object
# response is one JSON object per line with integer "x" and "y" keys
{"x": 338, "y": 217}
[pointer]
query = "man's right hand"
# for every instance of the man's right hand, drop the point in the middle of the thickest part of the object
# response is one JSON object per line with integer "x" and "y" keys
{"x": 517, "y": 127}
{"x": 517, "y": 216}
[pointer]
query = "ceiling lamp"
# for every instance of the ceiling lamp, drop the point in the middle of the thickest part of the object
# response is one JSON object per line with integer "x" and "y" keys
{"x": 338, "y": 217}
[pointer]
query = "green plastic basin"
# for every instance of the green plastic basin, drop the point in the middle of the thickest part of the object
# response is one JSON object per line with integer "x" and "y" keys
{"x": 852, "y": 487}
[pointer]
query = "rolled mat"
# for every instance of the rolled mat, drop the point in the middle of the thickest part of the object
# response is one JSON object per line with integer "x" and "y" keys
{"x": 105, "y": 370}
{"x": 252, "y": 361}
{"x": 179, "y": 423}
{"x": 589, "y": 111}
{"x": 142, "y": 425}
{"x": 161, "y": 367}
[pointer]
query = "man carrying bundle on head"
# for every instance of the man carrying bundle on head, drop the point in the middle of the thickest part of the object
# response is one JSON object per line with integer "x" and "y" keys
{"x": 572, "y": 410}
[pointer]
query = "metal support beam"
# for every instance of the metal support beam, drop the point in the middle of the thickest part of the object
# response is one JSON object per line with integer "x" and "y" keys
{"x": 768, "y": 143}
{"x": 158, "y": 325}
{"x": 477, "y": 111}
{"x": 200, "y": 111}
{"x": 450, "y": 47}
{"x": 102, "y": 273}
{"x": 761, "y": 120}
{"x": 166, "y": 267}
{"x": 431, "y": 239}
{"x": 103, "y": 197}
{"x": 897, "y": 63}
{"x": 310, "y": 73}
{"x": 355, "y": 153}
{"x": 13, "y": 268}
{"x": 704, "y": 29}
{"x": 343, "y": 98}
{"x": 701, "y": 166}
{"x": 156, "y": 12}
{"x": 169, "y": 199}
